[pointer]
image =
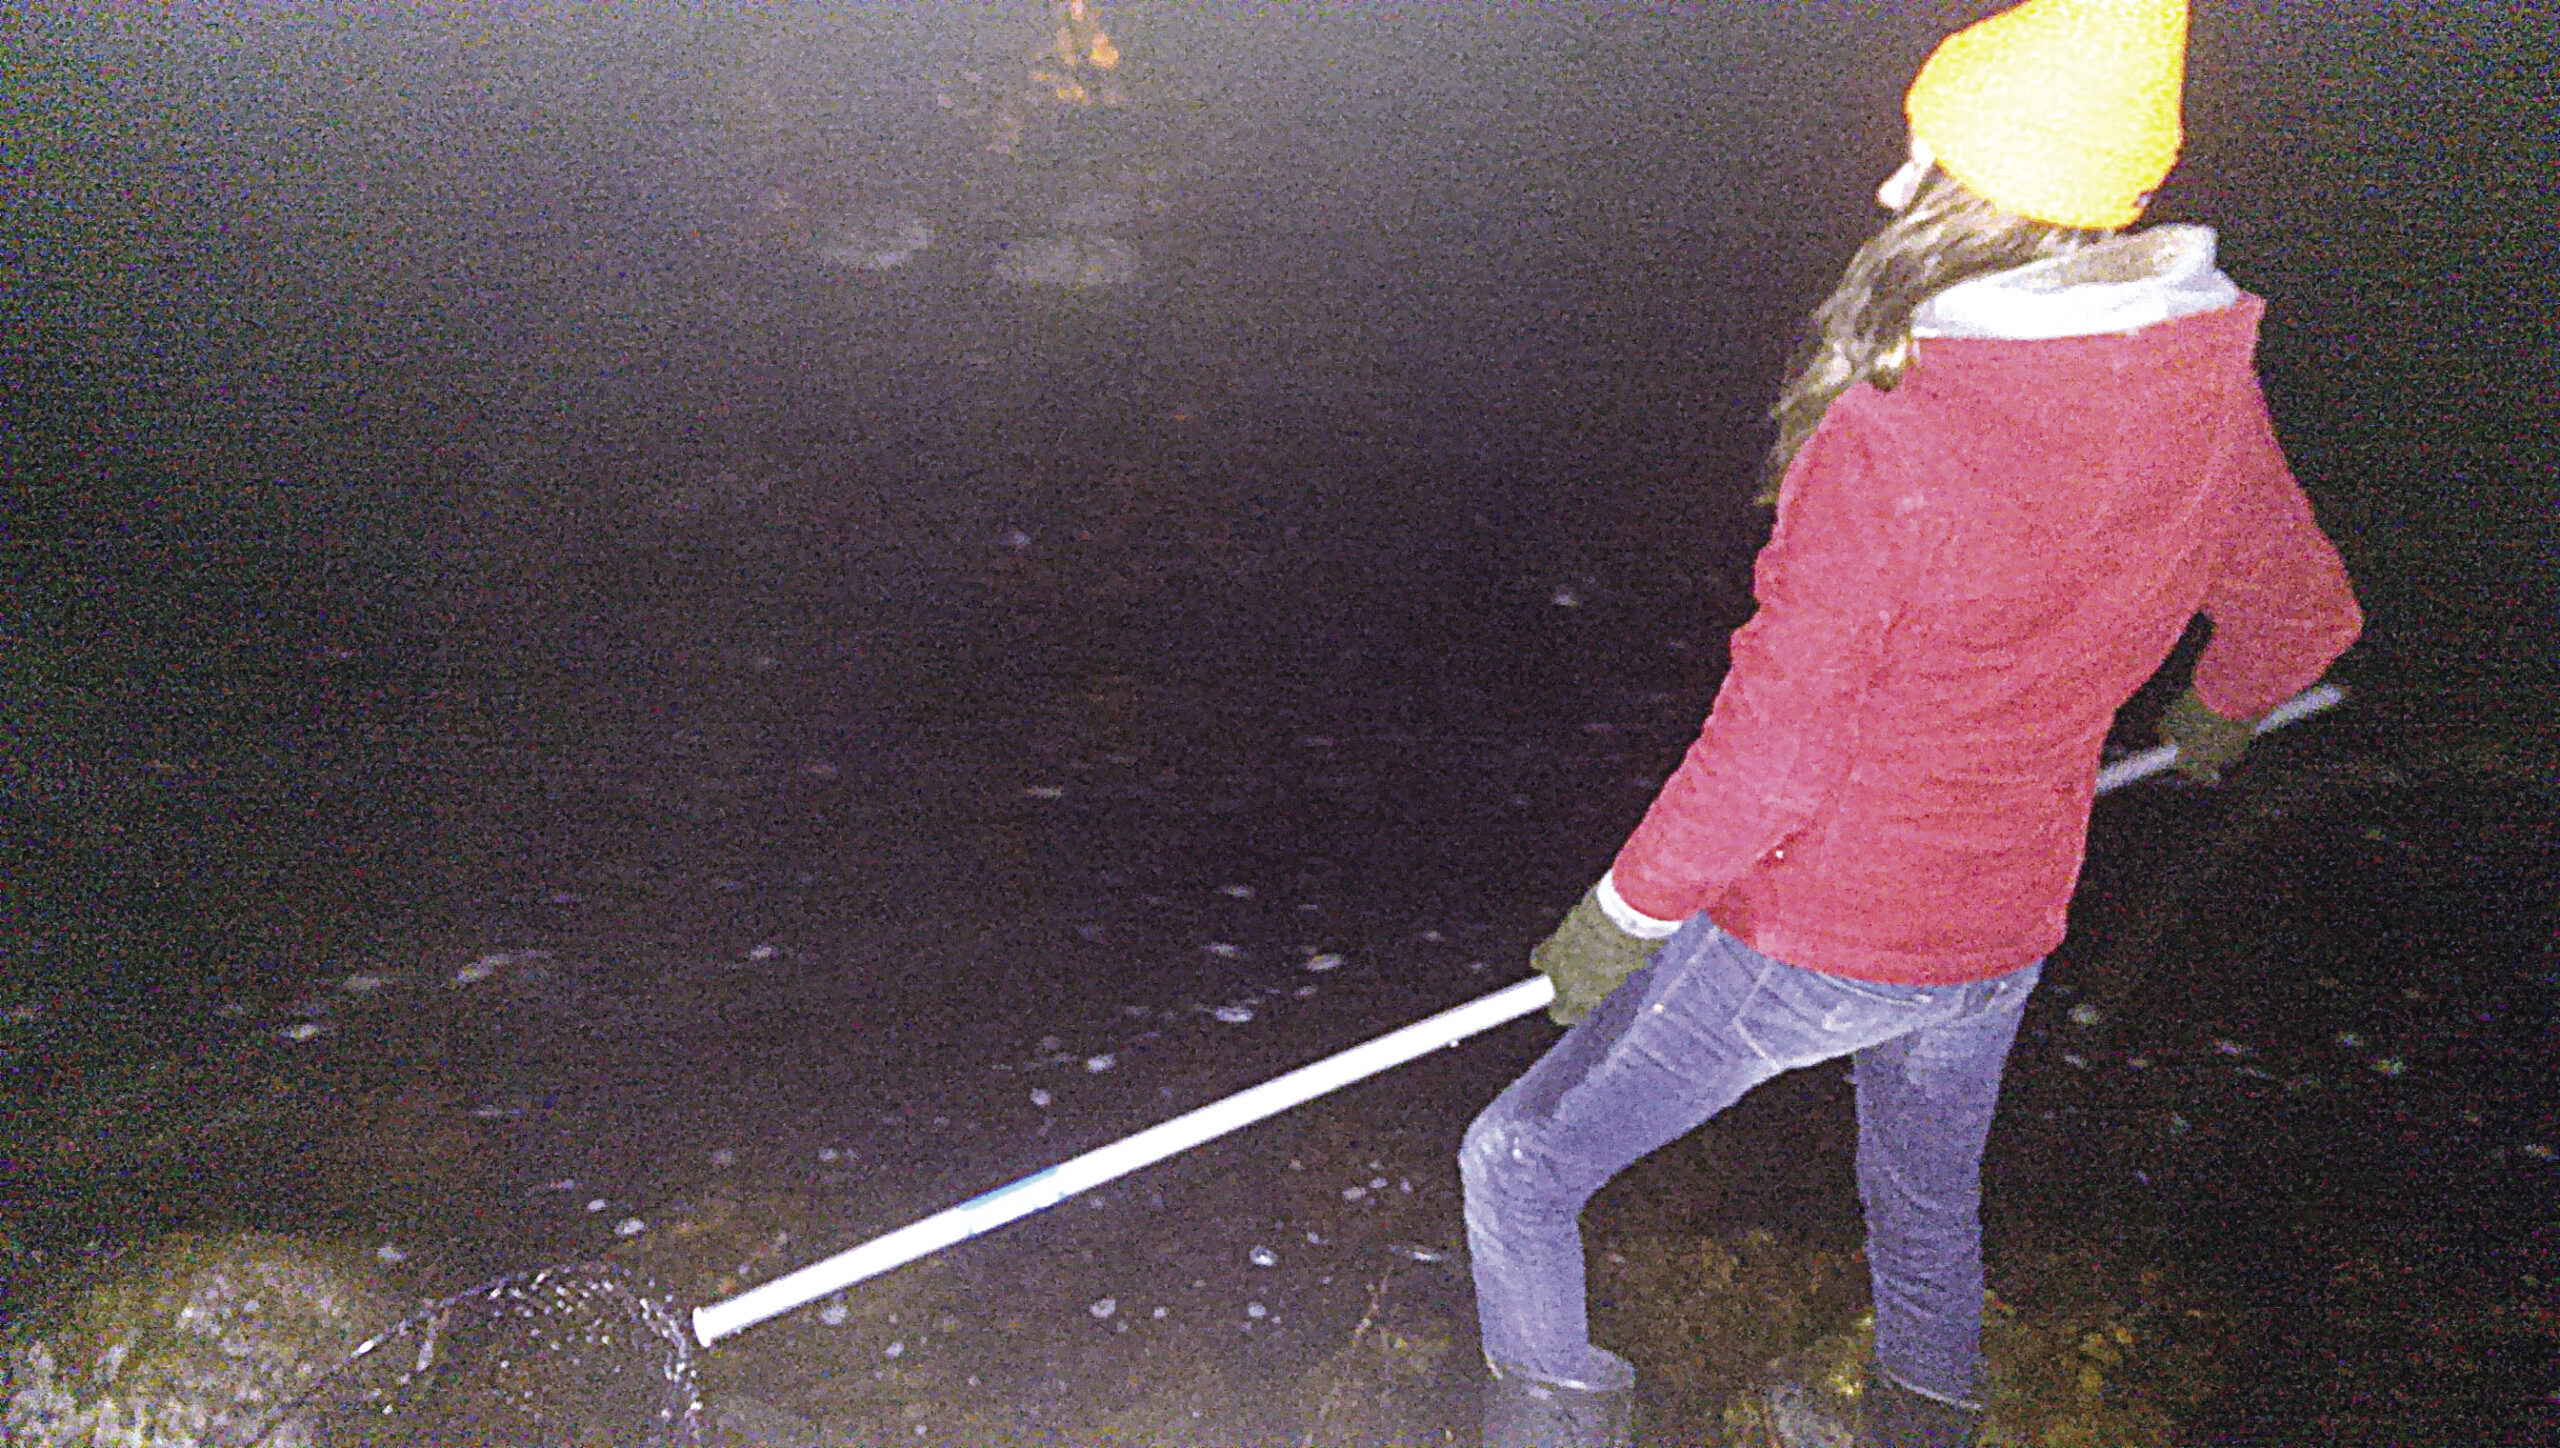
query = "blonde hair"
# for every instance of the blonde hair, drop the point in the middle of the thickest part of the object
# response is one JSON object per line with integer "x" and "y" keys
{"x": 1862, "y": 331}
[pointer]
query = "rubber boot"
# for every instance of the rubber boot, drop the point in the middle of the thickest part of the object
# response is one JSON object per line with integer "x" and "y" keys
{"x": 1895, "y": 1416}
{"x": 1523, "y": 1411}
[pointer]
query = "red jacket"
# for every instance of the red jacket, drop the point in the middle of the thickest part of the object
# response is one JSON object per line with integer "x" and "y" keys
{"x": 1970, "y": 574}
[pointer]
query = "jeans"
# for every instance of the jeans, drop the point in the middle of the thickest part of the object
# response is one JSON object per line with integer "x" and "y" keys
{"x": 1682, "y": 1040}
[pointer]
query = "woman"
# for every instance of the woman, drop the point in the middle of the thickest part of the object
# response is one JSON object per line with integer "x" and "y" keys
{"x": 2023, "y": 450}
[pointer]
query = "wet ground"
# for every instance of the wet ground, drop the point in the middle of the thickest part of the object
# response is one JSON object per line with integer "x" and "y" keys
{"x": 708, "y": 773}
{"x": 771, "y": 953}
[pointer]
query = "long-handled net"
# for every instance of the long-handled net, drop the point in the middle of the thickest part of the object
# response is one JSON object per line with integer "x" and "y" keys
{"x": 585, "y": 1356}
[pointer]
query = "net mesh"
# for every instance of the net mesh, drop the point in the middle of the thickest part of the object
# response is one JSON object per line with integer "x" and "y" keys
{"x": 578, "y": 1356}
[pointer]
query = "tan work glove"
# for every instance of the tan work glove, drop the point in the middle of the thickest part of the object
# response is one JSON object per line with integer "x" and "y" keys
{"x": 1587, "y": 957}
{"x": 2207, "y": 742}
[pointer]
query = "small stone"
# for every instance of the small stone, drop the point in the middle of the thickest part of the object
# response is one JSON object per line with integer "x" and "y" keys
{"x": 1103, "y": 1062}
{"x": 1236, "y": 892}
{"x": 389, "y": 1255}
{"x": 1324, "y": 962}
{"x": 1256, "y": 1310}
{"x": 1104, "y": 1308}
{"x": 833, "y": 1313}
{"x": 360, "y": 984}
{"x": 1046, "y": 791}
{"x": 483, "y": 968}
{"x": 1234, "y": 1015}
{"x": 1263, "y": 1257}
{"x": 764, "y": 952}
{"x": 598, "y": 1205}
{"x": 895, "y": 1349}
{"x": 1353, "y": 1194}
{"x": 1040, "y": 1096}
{"x": 302, "y": 1031}
{"x": 724, "y": 1157}
{"x": 629, "y": 1227}
{"x": 2086, "y": 1015}
{"x": 1223, "y": 950}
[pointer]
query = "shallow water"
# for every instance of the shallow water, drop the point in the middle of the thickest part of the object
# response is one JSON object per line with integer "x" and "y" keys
{"x": 560, "y": 711}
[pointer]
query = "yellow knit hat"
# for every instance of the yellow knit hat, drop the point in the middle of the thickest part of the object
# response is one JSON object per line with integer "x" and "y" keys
{"x": 2064, "y": 111}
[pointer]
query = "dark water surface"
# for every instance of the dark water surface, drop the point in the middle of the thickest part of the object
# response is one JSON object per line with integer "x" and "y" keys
{"x": 536, "y": 700}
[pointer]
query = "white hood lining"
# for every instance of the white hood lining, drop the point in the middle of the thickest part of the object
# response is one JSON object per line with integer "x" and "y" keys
{"x": 2120, "y": 285}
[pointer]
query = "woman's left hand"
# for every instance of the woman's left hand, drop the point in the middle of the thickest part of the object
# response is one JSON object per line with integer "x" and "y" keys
{"x": 2207, "y": 743}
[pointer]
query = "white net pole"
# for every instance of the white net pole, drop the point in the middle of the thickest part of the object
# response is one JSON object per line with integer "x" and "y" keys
{"x": 1048, "y": 1188}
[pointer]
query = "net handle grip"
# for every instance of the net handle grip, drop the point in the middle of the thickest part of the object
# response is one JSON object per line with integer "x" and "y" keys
{"x": 1052, "y": 1185}
{"x": 2159, "y": 757}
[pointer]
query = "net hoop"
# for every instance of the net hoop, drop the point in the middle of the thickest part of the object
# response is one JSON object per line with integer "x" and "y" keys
{"x": 392, "y": 1375}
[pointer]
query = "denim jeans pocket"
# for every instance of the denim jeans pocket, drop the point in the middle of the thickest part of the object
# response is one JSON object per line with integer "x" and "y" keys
{"x": 2001, "y": 993}
{"x": 1795, "y": 1017}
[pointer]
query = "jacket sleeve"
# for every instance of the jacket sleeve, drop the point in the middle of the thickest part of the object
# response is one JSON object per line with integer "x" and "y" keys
{"x": 2279, "y": 599}
{"x": 1831, "y": 585}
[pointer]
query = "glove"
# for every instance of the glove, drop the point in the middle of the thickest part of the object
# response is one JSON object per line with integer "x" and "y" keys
{"x": 1587, "y": 957}
{"x": 2207, "y": 743}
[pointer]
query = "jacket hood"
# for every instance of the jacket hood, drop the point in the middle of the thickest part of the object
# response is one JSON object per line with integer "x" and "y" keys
{"x": 2050, "y": 384}
{"x": 2119, "y": 285}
